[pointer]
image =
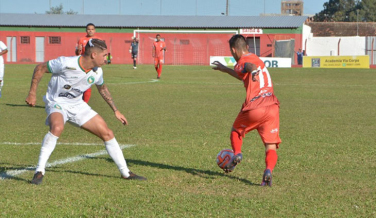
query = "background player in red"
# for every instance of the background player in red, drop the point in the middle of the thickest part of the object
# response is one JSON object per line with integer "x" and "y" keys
{"x": 259, "y": 111}
{"x": 158, "y": 48}
{"x": 80, "y": 50}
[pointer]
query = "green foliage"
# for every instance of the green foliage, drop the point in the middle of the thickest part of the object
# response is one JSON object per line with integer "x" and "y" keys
{"x": 326, "y": 164}
{"x": 368, "y": 10}
{"x": 338, "y": 10}
{"x": 59, "y": 10}
{"x": 347, "y": 11}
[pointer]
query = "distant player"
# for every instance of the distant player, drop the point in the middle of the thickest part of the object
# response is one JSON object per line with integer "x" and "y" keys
{"x": 299, "y": 55}
{"x": 158, "y": 48}
{"x": 134, "y": 51}
{"x": 261, "y": 107}
{"x": 80, "y": 49}
{"x": 3, "y": 51}
{"x": 72, "y": 76}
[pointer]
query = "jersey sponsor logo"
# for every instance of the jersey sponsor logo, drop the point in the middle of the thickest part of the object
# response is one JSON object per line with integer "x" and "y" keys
{"x": 90, "y": 80}
{"x": 274, "y": 130}
{"x": 263, "y": 95}
{"x": 57, "y": 106}
{"x": 67, "y": 86}
{"x": 70, "y": 68}
{"x": 74, "y": 93}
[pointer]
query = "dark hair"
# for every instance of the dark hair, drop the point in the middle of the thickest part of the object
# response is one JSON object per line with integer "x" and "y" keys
{"x": 157, "y": 35}
{"x": 94, "y": 44}
{"x": 238, "y": 42}
{"x": 90, "y": 24}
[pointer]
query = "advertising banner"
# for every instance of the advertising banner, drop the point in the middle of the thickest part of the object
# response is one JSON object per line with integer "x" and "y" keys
{"x": 229, "y": 61}
{"x": 359, "y": 61}
{"x": 251, "y": 31}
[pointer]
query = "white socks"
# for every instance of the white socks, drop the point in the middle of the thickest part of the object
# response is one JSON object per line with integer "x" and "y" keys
{"x": 116, "y": 154}
{"x": 112, "y": 147}
{"x": 1, "y": 86}
{"x": 48, "y": 146}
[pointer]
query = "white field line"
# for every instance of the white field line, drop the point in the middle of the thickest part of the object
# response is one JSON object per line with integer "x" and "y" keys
{"x": 40, "y": 143}
{"x": 130, "y": 83}
{"x": 12, "y": 173}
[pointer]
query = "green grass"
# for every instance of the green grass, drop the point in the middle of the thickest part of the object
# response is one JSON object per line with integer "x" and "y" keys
{"x": 326, "y": 165}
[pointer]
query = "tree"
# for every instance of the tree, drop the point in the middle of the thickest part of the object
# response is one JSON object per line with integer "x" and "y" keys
{"x": 368, "y": 10}
{"x": 339, "y": 10}
{"x": 59, "y": 10}
{"x": 348, "y": 11}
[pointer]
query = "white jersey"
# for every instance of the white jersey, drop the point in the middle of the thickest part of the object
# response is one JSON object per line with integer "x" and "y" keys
{"x": 2, "y": 48}
{"x": 69, "y": 80}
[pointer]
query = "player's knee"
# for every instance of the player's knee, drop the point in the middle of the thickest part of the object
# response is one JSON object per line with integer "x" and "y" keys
{"x": 108, "y": 135}
{"x": 270, "y": 146}
{"x": 56, "y": 130}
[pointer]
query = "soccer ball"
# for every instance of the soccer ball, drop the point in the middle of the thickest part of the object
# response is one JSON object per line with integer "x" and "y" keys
{"x": 224, "y": 157}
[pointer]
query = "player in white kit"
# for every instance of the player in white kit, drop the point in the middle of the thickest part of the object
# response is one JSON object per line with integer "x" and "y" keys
{"x": 71, "y": 77}
{"x": 3, "y": 51}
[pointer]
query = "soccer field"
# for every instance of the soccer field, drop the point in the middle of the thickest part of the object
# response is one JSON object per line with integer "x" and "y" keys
{"x": 177, "y": 125}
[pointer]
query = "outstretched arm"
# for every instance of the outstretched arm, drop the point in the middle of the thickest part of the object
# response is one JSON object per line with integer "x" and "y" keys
{"x": 106, "y": 95}
{"x": 4, "y": 52}
{"x": 221, "y": 67}
{"x": 39, "y": 71}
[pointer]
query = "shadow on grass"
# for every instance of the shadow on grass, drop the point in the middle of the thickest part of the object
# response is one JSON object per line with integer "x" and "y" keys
{"x": 4, "y": 175}
{"x": 196, "y": 172}
{"x": 23, "y": 105}
{"x": 207, "y": 174}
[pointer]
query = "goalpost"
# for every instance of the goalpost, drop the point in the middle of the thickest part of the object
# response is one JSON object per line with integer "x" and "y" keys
{"x": 185, "y": 50}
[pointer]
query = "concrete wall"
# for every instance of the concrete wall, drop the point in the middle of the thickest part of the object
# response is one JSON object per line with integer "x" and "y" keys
{"x": 328, "y": 46}
{"x": 182, "y": 48}
{"x": 307, "y": 33}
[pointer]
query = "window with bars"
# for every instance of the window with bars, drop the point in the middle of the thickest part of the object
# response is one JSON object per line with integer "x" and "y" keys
{"x": 184, "y": 41}
{"x": 25, "y": 39}
{"x": 55, "y": 40}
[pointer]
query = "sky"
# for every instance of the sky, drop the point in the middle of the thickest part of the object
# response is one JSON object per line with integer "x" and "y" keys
{"x": 157, "y": 7}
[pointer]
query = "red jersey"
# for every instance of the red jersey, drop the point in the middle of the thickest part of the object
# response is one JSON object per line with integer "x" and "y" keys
{"x": 83, "y": 41}
{"x": 259, "y": 90}
{"x": 158, "y": 48}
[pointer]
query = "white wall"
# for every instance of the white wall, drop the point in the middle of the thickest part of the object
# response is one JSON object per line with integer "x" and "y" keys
{"x": 328, "y": 46}
{"x": 305, "y": 36}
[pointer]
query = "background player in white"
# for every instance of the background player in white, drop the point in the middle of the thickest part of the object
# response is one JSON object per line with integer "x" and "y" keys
{"x": 72, "y": 76}
{"x": 3, "y": 51}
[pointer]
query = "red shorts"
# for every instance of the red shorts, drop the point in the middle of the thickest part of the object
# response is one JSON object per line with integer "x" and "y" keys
{"x": 264, "y": 119}
{"x": 158, "y": 61}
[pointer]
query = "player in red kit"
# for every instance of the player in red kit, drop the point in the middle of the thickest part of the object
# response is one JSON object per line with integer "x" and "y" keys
{"x": 259, "y": 111}
{"x": 158, "y": 48}
{"x": 80, "y": 49}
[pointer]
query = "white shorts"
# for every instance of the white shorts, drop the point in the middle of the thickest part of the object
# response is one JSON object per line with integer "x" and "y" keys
{"x": 77, "y": 114}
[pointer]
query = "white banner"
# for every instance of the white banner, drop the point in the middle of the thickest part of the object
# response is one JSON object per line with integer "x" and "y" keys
{"x": 269, "y": 62}
{"x": 251, "y": 31}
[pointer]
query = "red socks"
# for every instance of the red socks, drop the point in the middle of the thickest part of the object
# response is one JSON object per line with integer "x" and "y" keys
{"x": 271, "y": 158}
{"x": 159, "y": 70}
{"x": 236, "y": 142}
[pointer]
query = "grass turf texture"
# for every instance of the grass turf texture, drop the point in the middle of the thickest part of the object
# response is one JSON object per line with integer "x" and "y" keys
{"x": 326, "y": 165}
